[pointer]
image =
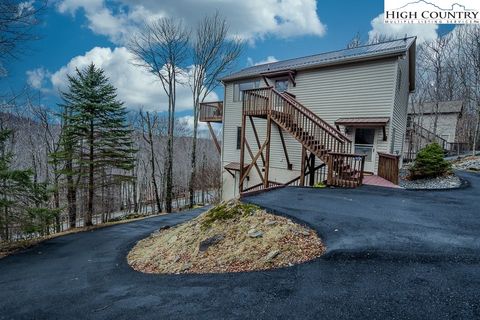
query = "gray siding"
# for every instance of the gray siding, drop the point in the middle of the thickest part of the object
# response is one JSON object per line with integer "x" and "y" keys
{"x": 357, "y": 90}
{"x": 400, "y": 108}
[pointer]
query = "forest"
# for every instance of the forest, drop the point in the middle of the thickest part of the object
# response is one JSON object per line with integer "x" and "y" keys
{"x": 90, "y": 158}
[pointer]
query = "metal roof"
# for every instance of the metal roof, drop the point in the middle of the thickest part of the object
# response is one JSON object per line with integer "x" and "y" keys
{"x": 359, "y": 121}
{"x": 399, "y": 46}
{"x": 443, "y": 107}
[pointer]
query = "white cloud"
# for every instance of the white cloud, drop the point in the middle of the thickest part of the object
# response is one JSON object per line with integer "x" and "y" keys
{"x": 36, "y": 78}
{"x": 203, "y": 130}
{"x": 424, "y": 32}
{"x": 135, "y": 86}
{"x": 248, "y": 19}
{"x": 269, "y": 59}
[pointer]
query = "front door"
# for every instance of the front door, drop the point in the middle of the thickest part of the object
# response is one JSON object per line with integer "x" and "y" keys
{"x": 365, "y": 144}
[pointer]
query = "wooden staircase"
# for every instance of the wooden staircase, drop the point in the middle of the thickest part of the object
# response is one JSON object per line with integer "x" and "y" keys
{"x": 418, "y": 137}
{"x": 315, "y": 135}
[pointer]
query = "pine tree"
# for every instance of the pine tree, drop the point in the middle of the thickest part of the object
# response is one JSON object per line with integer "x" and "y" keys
{"x": 96, "y": 137}
{"x": 22, "y": 201}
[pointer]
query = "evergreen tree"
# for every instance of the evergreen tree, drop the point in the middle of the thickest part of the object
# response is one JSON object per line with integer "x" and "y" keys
{"x": 22, "y": 201}
{"x": 96, "y": 140}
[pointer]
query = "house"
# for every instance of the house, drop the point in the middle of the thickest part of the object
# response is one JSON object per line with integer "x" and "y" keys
{"x": 421, "y": 127}
{"x": 322, "y": 118}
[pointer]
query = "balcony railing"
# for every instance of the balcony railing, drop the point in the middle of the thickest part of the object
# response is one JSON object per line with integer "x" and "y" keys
{"x": 211, "y": 111}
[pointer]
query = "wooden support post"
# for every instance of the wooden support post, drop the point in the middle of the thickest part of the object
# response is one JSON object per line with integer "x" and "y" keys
{"x": 289, "y": 165}
{"x": 255, "y": 163}
{"x": 267, "y": 151}
{"x": 302, "y": 167}
{"x": 242, "y": 154}
{"x": 255, "y": 133}
{"x": 214, "y": 137}
{"x": 311, "y": 167}
{"x": 330, "y": 169}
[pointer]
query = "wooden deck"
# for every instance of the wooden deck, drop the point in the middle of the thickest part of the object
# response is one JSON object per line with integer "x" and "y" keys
{"x": 374, "y": 180}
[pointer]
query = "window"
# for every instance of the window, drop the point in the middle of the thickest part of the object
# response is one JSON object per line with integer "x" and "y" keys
{"x": 409, "y": 121}
{"x": 281, "y": 85}
{"x": 240, "y": 86}
{"x": 239, "y": 137}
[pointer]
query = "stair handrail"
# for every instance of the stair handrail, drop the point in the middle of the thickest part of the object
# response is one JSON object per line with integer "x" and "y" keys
{"x": 325, "y": 125}
{"x": 436, "y": 137}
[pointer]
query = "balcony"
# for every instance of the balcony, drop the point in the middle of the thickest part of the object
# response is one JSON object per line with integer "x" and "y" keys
{"x": 211, "y": 111}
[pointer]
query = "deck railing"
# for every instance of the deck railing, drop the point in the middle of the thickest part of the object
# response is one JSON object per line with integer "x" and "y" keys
{"x": 317, "y": 136}
{"x": 211, "y": 111}
{"x": 255, "y": 101}
{"x": 388, "y": 166}
{"x": 345, "y": 169}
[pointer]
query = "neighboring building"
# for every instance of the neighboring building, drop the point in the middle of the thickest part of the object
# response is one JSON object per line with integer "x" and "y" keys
{"x": 421, "y": 127}
{"x": 448, "y": 115}
{"x": 301, "y": 112}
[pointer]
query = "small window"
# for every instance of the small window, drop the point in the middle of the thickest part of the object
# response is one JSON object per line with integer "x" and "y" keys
{"x": 239, "y": 137}
{"x": 281, "y": 85}
{"x": 240, "y": 86}
{"x": 409, "y": 121}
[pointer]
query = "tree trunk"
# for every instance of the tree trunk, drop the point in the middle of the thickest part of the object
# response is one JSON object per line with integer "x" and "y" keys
{"x": 475, "y": 133}
{"x": 88, "y": 220}
{"x": 169, "y": 171}
{"x": 71, "y": 195}
{"x": 152, "y": 164}
{"x": 191, "y": 186}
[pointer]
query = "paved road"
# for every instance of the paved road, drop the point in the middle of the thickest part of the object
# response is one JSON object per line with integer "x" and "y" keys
{"x": 391, "y": 254}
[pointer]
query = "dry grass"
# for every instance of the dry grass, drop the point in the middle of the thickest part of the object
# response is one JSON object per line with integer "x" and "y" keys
{"x": 177, "y": 250}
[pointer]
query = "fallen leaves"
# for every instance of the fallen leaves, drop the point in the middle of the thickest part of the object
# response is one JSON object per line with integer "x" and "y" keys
{"x": 177, "y": 250}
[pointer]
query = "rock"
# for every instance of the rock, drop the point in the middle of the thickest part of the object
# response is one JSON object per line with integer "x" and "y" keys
{"x": 254, "y": 233}
{"x": 164, "y": 228}
{"x": 272, "y": 255}
{"x": 205, "y": 244}
{"x": 186, "y": 266}
{"x": 270, "y": 223}
{"x": 304, "y": 232}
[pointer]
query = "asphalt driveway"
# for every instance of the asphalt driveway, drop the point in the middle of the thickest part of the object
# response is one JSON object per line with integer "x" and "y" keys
{"x": 391, "y": 254}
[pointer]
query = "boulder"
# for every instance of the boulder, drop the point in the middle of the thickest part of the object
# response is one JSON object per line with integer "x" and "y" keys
{"x": 254, "y": 233}
{"x": 207, "y": 243}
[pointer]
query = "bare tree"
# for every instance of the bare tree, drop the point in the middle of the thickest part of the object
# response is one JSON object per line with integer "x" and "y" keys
{"x": 213, "y": 55}
{"x": 161, "y": 47}
{"x": 148, "y": 124}
{"x": 468, "y": 71}
{"x": 433, "y": 59}
{"x": 355, "y": 42}
{"x": 17, "y": 20}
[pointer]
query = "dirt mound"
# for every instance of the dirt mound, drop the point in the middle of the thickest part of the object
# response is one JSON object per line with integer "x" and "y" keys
{"x": 231, "y": 237}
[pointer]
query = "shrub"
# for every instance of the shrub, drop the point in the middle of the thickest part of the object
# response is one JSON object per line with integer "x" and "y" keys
{"x": 429, "y": 163}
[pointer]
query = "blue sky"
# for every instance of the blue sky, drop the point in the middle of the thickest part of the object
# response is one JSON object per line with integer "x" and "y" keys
{"x": 75, "y": 32}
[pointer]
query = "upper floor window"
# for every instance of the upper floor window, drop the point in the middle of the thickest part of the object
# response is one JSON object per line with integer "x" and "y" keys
{"x": 409, "y": 121}
{"x": 240, "y": 86}
{"x": 281, "y": 85}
